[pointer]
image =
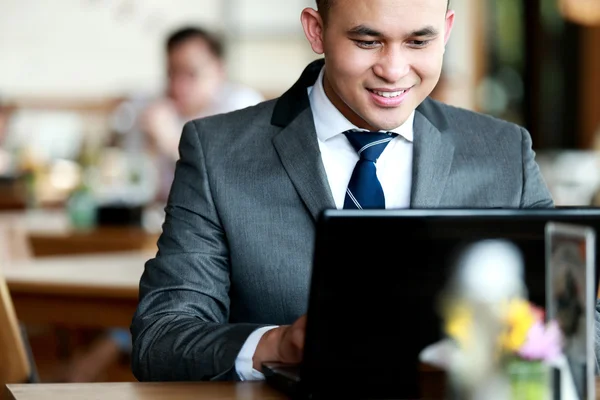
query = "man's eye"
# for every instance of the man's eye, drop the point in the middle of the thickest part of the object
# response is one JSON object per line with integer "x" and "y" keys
{"x": 366, "y": 44}
{"x": 419, "y": 43}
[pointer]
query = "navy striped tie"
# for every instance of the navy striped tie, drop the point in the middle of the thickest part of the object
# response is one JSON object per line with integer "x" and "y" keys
{"x": 364, "y": 190}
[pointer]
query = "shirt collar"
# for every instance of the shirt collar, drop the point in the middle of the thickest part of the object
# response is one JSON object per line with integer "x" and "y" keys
{"x": 330, "y": 122}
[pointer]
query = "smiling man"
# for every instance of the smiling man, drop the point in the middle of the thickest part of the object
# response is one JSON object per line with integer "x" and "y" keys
{"x": 228, "y": 288}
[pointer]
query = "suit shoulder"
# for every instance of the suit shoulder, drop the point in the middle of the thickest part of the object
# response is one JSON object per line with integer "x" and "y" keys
{"x": 465, "y": 120}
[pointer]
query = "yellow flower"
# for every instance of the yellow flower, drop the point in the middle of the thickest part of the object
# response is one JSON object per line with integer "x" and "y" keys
{"x": 519, "y": 318}
{"x": 458, "y": 324}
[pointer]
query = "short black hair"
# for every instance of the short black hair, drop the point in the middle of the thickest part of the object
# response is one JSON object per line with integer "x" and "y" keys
{"x": 188, "y": 33}
{"x": 324, "y": 5}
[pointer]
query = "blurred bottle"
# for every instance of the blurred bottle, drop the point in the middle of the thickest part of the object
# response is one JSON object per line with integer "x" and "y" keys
{"x": 30, "y": 168}
{"x": 82, "y": 205}
{"x": 82, "y": 208}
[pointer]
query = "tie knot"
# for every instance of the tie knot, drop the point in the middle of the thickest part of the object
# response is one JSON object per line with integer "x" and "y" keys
{"x": 369, "y": 145}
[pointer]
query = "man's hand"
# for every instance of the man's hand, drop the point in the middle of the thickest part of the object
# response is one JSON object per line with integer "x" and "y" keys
{"x": 284, "y": 344}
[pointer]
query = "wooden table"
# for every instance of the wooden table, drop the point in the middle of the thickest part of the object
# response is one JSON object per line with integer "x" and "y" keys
{"x": 97, "y": 291}
{"x": 49, "y": 233}
{"x": 101, "y": 239}
{"x": 151, "y": 391}
{"x": 13, "y": 193}
{"x": 144, "y": 391}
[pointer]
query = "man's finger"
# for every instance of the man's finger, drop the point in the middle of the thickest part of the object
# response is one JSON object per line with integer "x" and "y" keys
{"x": 300, "y": 322}
{"x": 298, "y": 333}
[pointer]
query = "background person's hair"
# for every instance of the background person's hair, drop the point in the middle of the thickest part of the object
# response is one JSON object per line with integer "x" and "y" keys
{"x": 186, "y": 34}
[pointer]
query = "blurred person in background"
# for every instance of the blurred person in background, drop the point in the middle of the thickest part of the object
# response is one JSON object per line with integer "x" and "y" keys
{"x": 197, "y": 87}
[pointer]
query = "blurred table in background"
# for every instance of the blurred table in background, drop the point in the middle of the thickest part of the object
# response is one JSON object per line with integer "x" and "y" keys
{"x": 71, "y": 286}
{"x": 96, "y": 291}
{"x": 98, "y": 240}
{"x": 49, "y": 233}
{"x": 12, "y": 193}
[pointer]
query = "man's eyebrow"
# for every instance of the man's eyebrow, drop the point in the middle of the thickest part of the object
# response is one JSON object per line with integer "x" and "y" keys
{"x": 426, "y": 31}
{"x": 362, "y": 30}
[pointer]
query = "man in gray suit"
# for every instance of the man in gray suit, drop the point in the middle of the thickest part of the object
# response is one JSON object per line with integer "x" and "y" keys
{"x": 234, "y": 259}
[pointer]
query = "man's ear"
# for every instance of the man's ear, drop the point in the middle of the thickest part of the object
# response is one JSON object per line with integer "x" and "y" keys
{"x": 449, "y": 25}
{"x": 312, "y": 23}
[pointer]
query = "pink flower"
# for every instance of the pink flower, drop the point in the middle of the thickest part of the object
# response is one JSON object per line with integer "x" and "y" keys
{"x": 542, "y": 343}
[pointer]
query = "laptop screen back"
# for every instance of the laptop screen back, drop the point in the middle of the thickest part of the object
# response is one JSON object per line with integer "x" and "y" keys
{"x": 377, "y": 277}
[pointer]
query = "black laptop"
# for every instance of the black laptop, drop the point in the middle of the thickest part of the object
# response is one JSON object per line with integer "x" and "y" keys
{"x": 375, "y": 284}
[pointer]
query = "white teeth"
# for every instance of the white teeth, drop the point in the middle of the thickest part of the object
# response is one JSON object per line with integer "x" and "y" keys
{"x": 389, "y": 94}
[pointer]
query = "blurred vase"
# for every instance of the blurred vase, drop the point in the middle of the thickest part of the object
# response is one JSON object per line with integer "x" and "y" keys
{"x": 82, "y": 209}
{"x": 529, "y": 380}
{"x": 521, "y": 380}
{"x": 494, "y": 386}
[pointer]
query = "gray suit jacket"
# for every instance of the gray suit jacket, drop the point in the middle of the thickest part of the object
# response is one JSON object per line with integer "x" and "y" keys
{"x": 236, "y": 249}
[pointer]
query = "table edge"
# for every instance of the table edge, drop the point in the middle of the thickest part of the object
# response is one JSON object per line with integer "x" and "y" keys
{"x": 7, "y": 393}
{"x": 29, "y": 288}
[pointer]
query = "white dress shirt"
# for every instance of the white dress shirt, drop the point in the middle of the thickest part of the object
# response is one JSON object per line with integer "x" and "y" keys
{"x": 394, "y": 171}
{"x": 394, "y": 166}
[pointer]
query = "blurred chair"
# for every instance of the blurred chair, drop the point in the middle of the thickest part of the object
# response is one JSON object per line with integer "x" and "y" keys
{"x": 16, "y": 361}
{"x": 85, "y": 366}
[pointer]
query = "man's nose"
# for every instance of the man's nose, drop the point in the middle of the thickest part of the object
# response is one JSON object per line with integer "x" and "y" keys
{"x": 393, "y": 65}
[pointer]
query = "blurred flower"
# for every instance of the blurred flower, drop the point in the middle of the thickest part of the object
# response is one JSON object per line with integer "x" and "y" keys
{"x": 519, "y": 319}
{"x": 543, "y": 342}
{"x": 524, "y": 334}
{"x": 458, "y": 324}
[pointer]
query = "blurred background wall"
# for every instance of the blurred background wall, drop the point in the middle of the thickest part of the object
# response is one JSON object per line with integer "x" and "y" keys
{"x": 97, "y": 48}
{"x": 66, "y": 67}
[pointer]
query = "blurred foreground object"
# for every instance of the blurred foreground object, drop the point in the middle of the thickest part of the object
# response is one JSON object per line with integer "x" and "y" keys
{"x": 573, "y": 176}
{"x": 498, "y": 345}
{"x": 584, "y": 12}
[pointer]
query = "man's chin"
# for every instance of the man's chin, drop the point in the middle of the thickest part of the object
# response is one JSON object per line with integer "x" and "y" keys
{"x": 388, "y": 119}
{"x": 386, "y": 124}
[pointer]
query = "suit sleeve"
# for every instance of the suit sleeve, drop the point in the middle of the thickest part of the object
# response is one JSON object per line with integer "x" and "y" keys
{"x": 180, "y": 330}
{"x": 535, "y": 193}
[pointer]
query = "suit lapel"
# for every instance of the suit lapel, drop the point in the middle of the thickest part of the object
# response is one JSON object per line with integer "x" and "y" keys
{"x": 433, "y": 153}
{"x": 299, "y": 152}
{"x": 297, "y": 144}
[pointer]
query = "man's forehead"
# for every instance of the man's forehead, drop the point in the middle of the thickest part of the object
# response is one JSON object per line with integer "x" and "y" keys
{"x": 388, "y": 17}
{"x": 330, "y": 3}
{"x": 396, "y": 8}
